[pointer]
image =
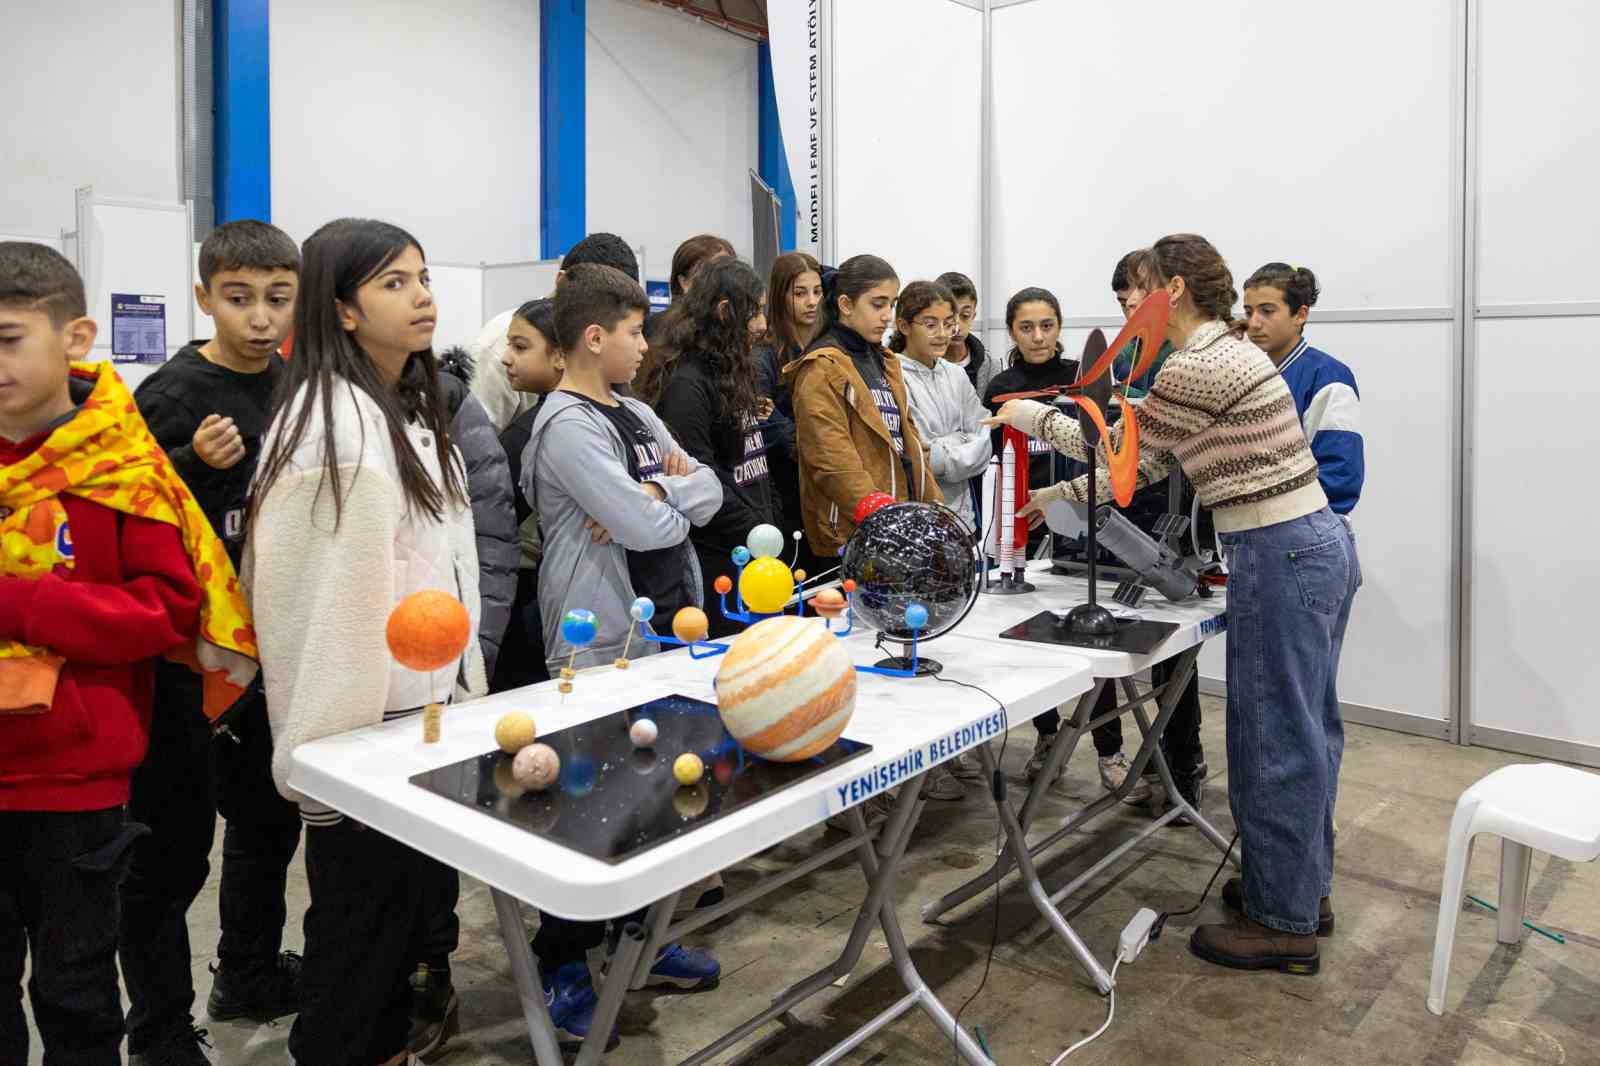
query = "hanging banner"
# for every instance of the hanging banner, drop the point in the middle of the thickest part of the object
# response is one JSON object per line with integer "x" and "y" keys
{"x": 794, "y": 29}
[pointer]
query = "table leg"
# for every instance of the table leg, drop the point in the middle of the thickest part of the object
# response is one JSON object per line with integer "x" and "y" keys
{"x": 1060, "y": 751}
{"x": 612, "y": 989}
{"x": 1017, "y": 845}
{"x": 1018, "y": 852}
{"x": 656, "y": 922}
{"x": 879, "y": 862}
{"x": 1169, "y": 702}
{"x": 525, "y": 974}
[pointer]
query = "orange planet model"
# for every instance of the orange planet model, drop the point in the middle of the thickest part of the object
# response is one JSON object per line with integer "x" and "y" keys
{"x": 786, "y": 688}
{"x": 428, "y": 630}
{"x": 690, "y": 624}
{"x": 829, "y": 603}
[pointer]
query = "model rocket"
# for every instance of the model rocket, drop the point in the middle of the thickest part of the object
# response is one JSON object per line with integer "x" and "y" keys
{"x": 1011, "y": 529}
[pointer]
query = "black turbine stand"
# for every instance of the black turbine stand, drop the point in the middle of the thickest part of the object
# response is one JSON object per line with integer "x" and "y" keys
{"x": 1091, "y": 619}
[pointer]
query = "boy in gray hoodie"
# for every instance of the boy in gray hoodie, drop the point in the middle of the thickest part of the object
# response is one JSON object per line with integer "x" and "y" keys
{"x": 614, "y": 492}
{"x": 615, "y": 497}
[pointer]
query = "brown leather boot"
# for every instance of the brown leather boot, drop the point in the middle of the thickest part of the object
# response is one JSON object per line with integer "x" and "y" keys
{"x": 1245, "y": 944}
{"x": 1233, "y": 899}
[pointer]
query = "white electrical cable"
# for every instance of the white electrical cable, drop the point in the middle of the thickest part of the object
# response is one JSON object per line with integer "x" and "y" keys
{"x": 1111, "y": 1012}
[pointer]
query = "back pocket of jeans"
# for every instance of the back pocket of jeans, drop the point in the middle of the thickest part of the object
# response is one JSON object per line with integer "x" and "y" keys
{"x": 1323, "y": 574}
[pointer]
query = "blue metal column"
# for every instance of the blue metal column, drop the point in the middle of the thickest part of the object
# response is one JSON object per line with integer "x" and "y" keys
{"x": 241, "y": 89}
{"x": 562, "y": 118}
{"x": 772, "y": 164}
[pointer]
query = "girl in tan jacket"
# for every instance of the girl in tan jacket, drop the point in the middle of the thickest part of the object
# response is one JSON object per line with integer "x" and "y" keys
{"x": 853, "y": 426}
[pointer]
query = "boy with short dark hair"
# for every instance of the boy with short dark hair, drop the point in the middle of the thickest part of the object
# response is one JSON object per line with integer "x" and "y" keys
{"x": 489, "y": 385}
{"x": 966, "y": 350}
{"x": 209, "y": 407}
{"x": 105, "y": 563}
{"x": 615, "y": 497}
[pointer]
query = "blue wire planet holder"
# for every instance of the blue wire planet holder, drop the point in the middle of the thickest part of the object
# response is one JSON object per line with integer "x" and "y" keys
{"x": 643, "y": 610}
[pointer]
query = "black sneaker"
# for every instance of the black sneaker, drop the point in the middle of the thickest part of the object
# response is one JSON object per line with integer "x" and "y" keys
{"x": 260, "y": 997}
{"x": 180, "y": 1049}
{"x": 435, "y": 1012}
{"x": 1192, "y": 787}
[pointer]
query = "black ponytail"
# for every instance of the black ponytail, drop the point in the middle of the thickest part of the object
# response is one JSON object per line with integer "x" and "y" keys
{"x": 1298, "y": 285}
{"x": 853, "y": 277}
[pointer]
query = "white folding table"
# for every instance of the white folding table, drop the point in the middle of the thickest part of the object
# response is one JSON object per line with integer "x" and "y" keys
{"x": 912, "y": 725}
{"x": 1197, "y": 620}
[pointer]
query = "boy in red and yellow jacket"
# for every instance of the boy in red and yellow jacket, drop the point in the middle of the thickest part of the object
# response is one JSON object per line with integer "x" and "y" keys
{"x": 105, "y": 563}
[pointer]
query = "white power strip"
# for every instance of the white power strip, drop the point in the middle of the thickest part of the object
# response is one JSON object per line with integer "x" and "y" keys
{"x": 1135, "y": 936}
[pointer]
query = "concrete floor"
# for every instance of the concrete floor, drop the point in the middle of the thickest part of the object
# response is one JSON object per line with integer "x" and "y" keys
{"x": 1538, "y": 1002}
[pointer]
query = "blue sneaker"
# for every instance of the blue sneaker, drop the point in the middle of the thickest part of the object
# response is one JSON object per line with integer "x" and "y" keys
{"x": 686, "y": 969}
{"x": 570, "y": 998}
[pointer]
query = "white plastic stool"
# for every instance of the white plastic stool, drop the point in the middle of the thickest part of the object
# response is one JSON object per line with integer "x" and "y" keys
{"x": 1555, "y": 809}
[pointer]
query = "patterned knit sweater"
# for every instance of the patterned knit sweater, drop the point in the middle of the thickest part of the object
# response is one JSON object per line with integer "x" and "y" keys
{"x": 1221, "y": 409}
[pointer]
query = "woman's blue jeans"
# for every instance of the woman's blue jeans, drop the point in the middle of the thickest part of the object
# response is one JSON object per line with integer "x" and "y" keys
{"x": 1290, "y": 587}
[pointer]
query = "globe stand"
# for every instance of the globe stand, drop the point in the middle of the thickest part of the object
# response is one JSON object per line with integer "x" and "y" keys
{"x": 909, "y": 665}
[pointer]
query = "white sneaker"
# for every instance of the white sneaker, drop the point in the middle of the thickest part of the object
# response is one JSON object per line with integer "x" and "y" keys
{"x": 874, "y": 809}
{"x": 966, "y": 767}
{"x": 1036, "y": 761}
{"x": 1114, "y": 772}
{"x": 941, "y": 784}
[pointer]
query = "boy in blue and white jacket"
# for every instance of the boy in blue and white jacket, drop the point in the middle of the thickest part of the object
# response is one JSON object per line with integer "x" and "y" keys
{"x": 1277, "y": 300}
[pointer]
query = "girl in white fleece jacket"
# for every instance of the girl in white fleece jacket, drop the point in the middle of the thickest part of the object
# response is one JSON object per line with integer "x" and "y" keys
{"x": 360, "y": 501}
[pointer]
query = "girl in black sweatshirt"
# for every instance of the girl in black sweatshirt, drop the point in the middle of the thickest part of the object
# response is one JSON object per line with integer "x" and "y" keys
{"x": 1033, "y": 317}
{"x": 708, "y": 399}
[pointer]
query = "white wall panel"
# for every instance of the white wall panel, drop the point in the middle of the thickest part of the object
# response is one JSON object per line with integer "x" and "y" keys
{"x": 422, "y": 114}
{"x": 1539, "y": 151}
{"x": 907, "y": 162}
{"x": 1314, "y": 133}
{"x": 92, "y": 98}
{"x": 671, "y": 129}
{"x": 1535, "y": 518}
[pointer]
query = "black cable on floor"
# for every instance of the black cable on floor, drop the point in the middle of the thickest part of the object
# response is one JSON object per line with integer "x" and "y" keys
{"x": 1161, "y": 919}
{"x": 998, "y": 790}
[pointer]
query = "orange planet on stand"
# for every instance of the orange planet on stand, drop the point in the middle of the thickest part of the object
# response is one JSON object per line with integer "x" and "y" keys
{"x": 428, "y": 630}
{"x": 829, "y": 603}
{"x": 690, "y": 624}
{"x": 786, "y": 688}
{"x": 723, "y": 584}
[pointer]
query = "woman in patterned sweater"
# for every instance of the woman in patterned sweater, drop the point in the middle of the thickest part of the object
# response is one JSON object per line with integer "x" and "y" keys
{"x": 1220, "y": 408}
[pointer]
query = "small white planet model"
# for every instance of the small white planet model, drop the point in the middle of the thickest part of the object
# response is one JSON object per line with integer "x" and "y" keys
{"x": 643, "y": 733}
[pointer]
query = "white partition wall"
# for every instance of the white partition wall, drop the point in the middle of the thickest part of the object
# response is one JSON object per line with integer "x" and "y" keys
{"x": 1115, "y": 124}
{"x": 458, "y": 297}
{"x": 423, "y": 114}
{"x": 671, "y": 106}
{"x": 906, "y": 140}
{"x": 95, "y": 93}
{"x": 1533, "y": 508}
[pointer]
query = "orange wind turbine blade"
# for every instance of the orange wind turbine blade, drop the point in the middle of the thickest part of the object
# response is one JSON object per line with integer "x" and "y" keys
{"x": 1148, "y": 325}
